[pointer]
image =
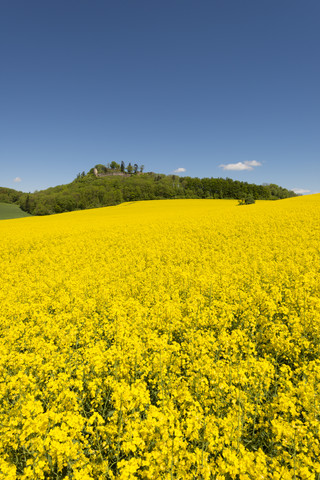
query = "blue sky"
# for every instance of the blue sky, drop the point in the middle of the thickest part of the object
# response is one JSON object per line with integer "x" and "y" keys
{"x": 224, "y": 88}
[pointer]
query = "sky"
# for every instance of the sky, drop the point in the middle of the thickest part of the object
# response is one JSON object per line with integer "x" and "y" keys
{"x": 204, "y": 88}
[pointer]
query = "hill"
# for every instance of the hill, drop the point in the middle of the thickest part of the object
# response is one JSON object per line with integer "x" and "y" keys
{"x": 9, "y": 195}
{"x": 8, "y": 211}
{"x": 104, "y": 186}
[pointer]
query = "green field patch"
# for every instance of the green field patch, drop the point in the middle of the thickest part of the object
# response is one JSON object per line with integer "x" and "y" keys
{"x": 8, "y": 210}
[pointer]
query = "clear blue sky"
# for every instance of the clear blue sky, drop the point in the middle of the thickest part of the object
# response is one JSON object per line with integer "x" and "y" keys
{"x": 217, "y": 88}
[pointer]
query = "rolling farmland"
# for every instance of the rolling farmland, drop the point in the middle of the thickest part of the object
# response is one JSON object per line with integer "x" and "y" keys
{"x": 8, "y": 211}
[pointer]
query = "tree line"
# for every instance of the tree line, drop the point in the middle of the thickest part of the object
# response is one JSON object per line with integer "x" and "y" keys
{"x": 9, "y": 195}
{"x": 91, "y": 191}
{"x": 116, "y": 167}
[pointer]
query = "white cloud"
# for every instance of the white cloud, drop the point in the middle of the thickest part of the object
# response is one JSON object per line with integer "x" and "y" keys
{"x": 301, "y": 190}
{"x": 236, "y": 166}
{"x": 253, "y": 163}
{"x": 17, "y": 179}
{"x": 179, "y": 170}
{"x": 247, "y": 165}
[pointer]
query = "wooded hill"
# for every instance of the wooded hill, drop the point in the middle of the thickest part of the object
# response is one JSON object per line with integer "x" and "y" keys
{"x": 110, "y": 186}
{"x": 9, "y": 195}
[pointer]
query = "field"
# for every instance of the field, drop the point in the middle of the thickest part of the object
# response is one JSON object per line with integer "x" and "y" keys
{"x": 175, "y": 339}
{"x": 8, "y": 210}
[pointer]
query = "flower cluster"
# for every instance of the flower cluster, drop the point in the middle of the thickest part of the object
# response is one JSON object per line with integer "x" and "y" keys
{"x": 175, "y": 339}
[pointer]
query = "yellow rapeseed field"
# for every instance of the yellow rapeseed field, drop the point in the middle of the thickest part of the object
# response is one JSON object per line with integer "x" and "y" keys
{"x": 175, "y": 339}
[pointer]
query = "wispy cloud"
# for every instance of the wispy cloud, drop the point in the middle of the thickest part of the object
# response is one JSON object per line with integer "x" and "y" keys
{"x": 179, "y": 170}
{"x": 17, "y": 179}
{"x": 300, "y": 190}
{"x": 247, "y": 165}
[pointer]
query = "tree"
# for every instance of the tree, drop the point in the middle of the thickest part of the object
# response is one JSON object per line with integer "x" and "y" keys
{"x": 246, "y": 200}
{"x": 141, "y": 168}
{"x": 135, "y": 168}
{"x": 114, "y": 165}
{"x": 28, "y": 206}
{"x": 129, "y": 168}
{"x": 100, "y": 168}
{"x": 122, "y": 168}
{"x": 249, "y": 200}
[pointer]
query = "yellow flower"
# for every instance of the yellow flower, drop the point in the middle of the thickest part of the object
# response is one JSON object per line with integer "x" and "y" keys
{"x": 162, "y": 339}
